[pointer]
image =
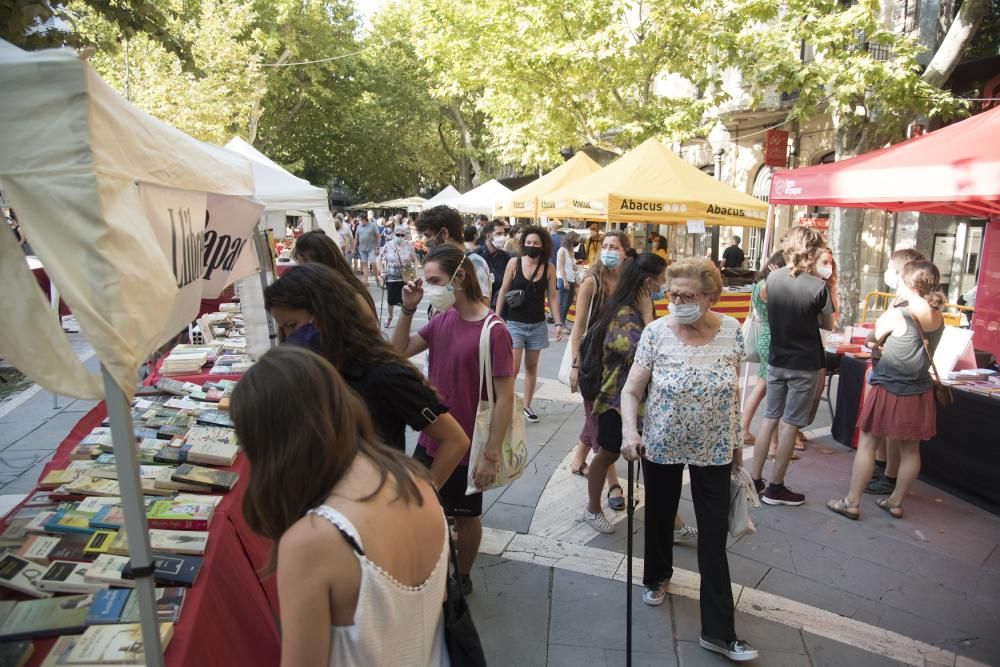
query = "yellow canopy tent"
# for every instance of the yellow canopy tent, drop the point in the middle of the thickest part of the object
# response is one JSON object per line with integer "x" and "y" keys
{"x": 524, "y": 202}
{"x": 652, "y": 184}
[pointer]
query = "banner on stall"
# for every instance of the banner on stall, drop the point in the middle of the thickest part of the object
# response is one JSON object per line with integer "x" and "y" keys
{"x": 229, "y": 253}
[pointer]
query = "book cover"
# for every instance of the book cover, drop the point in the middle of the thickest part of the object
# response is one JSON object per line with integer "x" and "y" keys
{"x": 110, "y": 517}
{"x": 170, "y": 454}
{"x": 99, "y": 542}
{"x": 16, "y": 530}
{"x": 119, "y": 644}
{"x": 20, "y": 575}
{"x": 215, "y": 418}
{"x": 173, "y": 569}
{"x": 38, "y": 548}
{"x": 16, "y": 654}
{"x": 85, "y": 452}
{"x": 172, "y": 515}
{"x": 92, "y": 486}
{"x": 165, "y": 482}
{"x": 119, "y": 545}
{"x": 56, "y": 478}
{"x": 71, "y": 547}
{"x": 108, "y": 570}
{"x": 213, "y": 453}
{"x": 65, "y": 576}
{"x": 189, "y": 542}
{"x": 95, "y": 504}
{"x": 171, "y": 386}
{"x": 169, "y": 602}
{"x": 42, "y": 499}
{"x": 219, "y": 480}
{"x": 38, "y": 523}
{"x": 33, "y": 619}
{"x": 70, "y": 521}
{"x": 108, "y": 606}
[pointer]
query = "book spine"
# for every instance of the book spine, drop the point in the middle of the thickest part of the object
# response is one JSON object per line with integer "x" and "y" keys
{"x": 178, "y": 524}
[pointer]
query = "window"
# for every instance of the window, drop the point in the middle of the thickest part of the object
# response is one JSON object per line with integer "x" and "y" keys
{"x": 910, "y": 8}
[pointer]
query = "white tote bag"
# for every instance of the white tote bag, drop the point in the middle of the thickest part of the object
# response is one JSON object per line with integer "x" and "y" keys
{"x": 751, "y": 332}
{"x": 742, "y": 496}
{"x": 514, "y": 448}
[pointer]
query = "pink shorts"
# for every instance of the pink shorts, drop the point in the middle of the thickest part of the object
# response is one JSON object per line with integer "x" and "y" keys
{"x": 588, "y": 435}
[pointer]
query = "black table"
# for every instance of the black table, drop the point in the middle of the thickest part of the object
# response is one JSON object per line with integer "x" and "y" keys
{"x": 849, "y": 389}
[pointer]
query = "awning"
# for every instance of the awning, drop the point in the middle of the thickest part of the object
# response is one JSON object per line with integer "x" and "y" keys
{"x": 446, "y": 196}
{"x": 651, "y": 184}
{"x": 482, "y": 200}
{"x": 524, "y": 202}
{"x": 951, "y": 171}
{"x": 278, "y": 189}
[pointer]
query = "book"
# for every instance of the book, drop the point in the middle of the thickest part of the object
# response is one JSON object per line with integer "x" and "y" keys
{"x": 189, "y": 542}
{"x": 95, "y": 504}
{"x": 108, "y": 606}
{"x": 16, "y": 530}
{"x": 119, "y": 544}
{"x": 217, "y": 480}
{"x": 99, "y": 542}
{"x": 119, "y": 644}
{"x": 57, "y": 478}
{"x": 213, "y": 453}
{"x": 38, "y": 523}
{"x": 70, "y": 521}
{"x": 171, "y": 454}
{"x": 165, "y": 482}
{"x": 174, "y": 515}
{"x": 110, "y": 517}
{"x": 71, "y": 547}
{"x": 19, "y": 574}
{"x": 215, "y": 418}
{"x": 33, "y": 619}
{"x": 65, "y": 576}
{"x": 92, "y": 486}
{"x": 84, "y": 452}
{"x": 169, "y": 602}
{"x": 175, "y": 387}
{"x": 172, "y": 569}
{"x": 108, "y": 570}
{"x": 38, "y": 547}
{"x": 16, "y": 654}
{"x": 6, "y": 606}
{"x": 42, "y": 499}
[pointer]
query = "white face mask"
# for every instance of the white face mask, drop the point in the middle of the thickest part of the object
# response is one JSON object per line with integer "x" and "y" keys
{"x": 824, "y": 272}
{"x": 442, "y": 297}
{"x": 891, "y": 279}
{"x": 499, "y": 240}
{"x": 685, "y": 313}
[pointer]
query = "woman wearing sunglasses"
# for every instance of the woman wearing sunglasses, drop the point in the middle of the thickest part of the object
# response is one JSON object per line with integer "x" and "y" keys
{"x": 397, "y": 265}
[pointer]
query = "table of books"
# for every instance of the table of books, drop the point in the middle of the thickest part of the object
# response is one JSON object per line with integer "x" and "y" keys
{"x": 228, "y": 615}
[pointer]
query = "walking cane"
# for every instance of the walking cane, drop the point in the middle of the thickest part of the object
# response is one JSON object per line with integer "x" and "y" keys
{"x": 381, "y": 303}
{"x": 630, "y": 511}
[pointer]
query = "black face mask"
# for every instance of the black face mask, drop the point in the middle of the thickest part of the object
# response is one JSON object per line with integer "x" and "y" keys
{"x": 534, "y": 252}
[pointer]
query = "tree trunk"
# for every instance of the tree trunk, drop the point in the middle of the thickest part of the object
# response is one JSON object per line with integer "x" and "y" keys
{"x": 455, "y": 114}
{"x": 962, "y": 29}
{"x": 846, "y": 225}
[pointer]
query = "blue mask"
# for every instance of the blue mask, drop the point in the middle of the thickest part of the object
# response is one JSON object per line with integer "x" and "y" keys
{"x": 306, "y": 336}
{"x": 610, "y": 258}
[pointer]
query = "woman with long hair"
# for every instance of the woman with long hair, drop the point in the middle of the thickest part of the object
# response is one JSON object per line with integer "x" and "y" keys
{"x": 453, "y": 367}
{"x": 315, "y": 308}
{"x": 687, "y": 370}
{"x": 758, "y": 301}
{"x": 528, "y": 281}
{"x": 362, "y": 544}
{"x": 566, "y": 273}
{"x": 900, "y": 407}
{"x": 594, "y": 291}
{"x": 659, "y": 247}
{"x": 318, "y": 248}
{"x": 627, "y": 313}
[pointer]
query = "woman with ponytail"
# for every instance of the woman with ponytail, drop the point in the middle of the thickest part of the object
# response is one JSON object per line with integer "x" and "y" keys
{"x": 899, "y": 407}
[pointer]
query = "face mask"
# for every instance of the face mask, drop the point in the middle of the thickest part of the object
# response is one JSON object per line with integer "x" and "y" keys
{"x": 532, "y": 252}
{"x": 306, "y": 336}
{"x": 610, "y": 258}
{"x": 685, "y": 313}
{"x": 891, "y": 279}
{"x": 499, "y": 241}
{"x": 824, "y": 272}
{"x": 660, "y": 293}
{"x": 442, "y": 297}
{"x": 400, "y": 240}
{"x": 435, "y": 241}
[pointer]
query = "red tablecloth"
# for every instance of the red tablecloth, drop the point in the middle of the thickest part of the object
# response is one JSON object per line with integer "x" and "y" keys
{"x": 229, "y": 614}
{"x": 196, "y": 378}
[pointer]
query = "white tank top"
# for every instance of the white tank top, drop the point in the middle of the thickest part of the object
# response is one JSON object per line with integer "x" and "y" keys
{"x": 394, "y": 624}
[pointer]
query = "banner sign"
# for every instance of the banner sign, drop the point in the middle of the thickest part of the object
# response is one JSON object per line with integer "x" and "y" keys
{"x": 229, "y": 254}
{"x": 776, "y": 148}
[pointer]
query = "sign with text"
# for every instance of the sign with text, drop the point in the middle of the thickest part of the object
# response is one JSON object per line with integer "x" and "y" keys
{"x": 228, "y": 253}
{"x": 776, "y": 148}
{"x": 696, "y": 226}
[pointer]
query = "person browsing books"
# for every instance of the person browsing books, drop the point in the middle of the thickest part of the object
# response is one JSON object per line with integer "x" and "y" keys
{"x": 318, "y": 248}
{"x": 315, "y": 308}
{"x": 361, "y": 542}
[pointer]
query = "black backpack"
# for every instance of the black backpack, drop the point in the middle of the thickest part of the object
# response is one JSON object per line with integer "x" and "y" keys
{"x": 591, "y": 362}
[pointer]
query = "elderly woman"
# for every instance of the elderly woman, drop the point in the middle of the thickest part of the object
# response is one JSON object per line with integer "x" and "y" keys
{"x": 689, "y": 364}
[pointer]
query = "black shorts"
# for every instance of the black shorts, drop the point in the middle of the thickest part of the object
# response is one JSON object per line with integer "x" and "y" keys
{"x": 394, "y": 293}
{"x": 609, "y": 431}
{"x": 453, "y": 497}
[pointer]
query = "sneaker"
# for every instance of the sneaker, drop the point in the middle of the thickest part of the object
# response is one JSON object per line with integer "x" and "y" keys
{"x": 598, "y": 521}
{"x": 779, "y": 494}
{"x": 530, "y": 416}
{"x": 883, "y": 486}
{"x": 737, "y": 649}
{"x": 466, "y": 584}
{"x": 877, "y": 472}
{"x": 685, "y": 533}
{"x": 759, "y": 485}
{"x": 654, "y": 595}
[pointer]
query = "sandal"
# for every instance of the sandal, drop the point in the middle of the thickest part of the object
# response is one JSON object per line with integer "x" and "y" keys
{"x": 582, "y": 471}
{"x": 617, "y": 503}
{"x": 895, "y": 511}
{"x": 800, "y": 441}
{"x": 844, "y": 508}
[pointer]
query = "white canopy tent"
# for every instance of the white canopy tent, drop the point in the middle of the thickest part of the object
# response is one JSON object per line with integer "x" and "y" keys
{"x": 446, "y": 196}
{"x": 484, "y": 199}
{"x": 275, "y": 187}
{"x": 134, "y": 221}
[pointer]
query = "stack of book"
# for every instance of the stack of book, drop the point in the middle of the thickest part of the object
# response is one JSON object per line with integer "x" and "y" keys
{"x": 177, "y": 363}
{"x": 231, "y": 364}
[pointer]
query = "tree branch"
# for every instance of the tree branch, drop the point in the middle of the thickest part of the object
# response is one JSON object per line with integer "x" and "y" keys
{"x": 962, "y": 29}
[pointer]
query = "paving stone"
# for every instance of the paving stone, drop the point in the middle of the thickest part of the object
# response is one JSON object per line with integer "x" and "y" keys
{"x": 822, "y": 596}
{"x": 511, "y": 628}
{"x": 617, "y": 659}
{"x": 79, "y": 405}
{"x": 508, "y": 577}
{"x": 509, "y": 517}
{"x": 764, "y": 635}
{"x": 693, "y": 655}
{"x": 11, "y": 432}
{"x": 857, "y": 540}
{"x": 925, "y": 598}
{"x": 769, "y": 546}
{"x": 993, "y": 560}
{"x": 561, "y": 655}
{"x": 926, "y": 630}
{"x": 742, "y": 570}
{"x": 827, "y": 653}
{"x": 527, "y": 489}
{"x": 980, "y": 618}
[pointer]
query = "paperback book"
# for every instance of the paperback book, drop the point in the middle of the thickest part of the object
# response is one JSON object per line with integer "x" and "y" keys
{"x": 34, "y": 619}
{"x": 173, "y": 569}
{"x": 119, "y": 644}
{"x": 174, "y": 515}
{"x": 21, "y": 575}
{"x": 65, "y": 576}
{"x": 217, "y": 480}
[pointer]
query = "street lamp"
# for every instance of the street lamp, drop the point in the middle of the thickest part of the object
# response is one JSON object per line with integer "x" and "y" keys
{"x": 718, "y": 138}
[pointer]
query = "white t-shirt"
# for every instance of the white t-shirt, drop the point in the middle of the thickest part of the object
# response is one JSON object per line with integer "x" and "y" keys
{"x": 566, "y": 265}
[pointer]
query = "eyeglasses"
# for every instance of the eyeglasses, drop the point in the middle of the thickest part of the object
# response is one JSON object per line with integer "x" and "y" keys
{"x": 678, "y": 297}
{"x": 400, "y": 236}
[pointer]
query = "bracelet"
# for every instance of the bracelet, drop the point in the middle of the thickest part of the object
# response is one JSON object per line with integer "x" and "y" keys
{"x": 408, "y": 311}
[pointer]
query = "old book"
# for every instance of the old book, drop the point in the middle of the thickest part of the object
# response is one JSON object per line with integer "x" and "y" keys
{"x": 119, "y": 545}
{"x": 165, "y": 482}
{"x": 41, "y": 499}
{"x": 169, "y": 602}
{"x": 91, "y": 486}
{"x": 172, "y": 454}
{"x": 38, "y": 547}
{"x": 110, "y": 517}
{"x": 190, "y": 542}
{"x": 212, "y": 453}
{"x": 70, "y": 521}
{"x": 16, "y": 530}
{"x": 108, "y": 570}
{"x": 65, "y": 576}
{"x": 71, "y": 547}
{"x": 108, "y": 606}
{"x": 119, "y": 644}
{"x": 37, "y": 524}
{"x": 85, "y": 452}
{"x": 57, "y": 478}
{"x": 95, "y": 504}
{"x": 19, "y": 574}
{"x": 176, "y": 388}
{"x": 33, "y": 619}
{"x": 99, "y": 543}
{"x": 217, "y": 480}
{"x": 173, "y": 569}
{"x": 215, "y": 418}
{"x": 173, "y": 515}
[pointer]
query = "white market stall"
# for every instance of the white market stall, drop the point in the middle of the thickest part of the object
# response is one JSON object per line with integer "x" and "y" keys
{"x": 135, "y": 223}
{"x": 482, "y": 200}
{"x": 446, "y": 196}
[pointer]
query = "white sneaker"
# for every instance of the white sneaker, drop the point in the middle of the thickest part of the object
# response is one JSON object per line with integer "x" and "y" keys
{"x": 654, "y": 596}
{"x": 736, "y": 650}
{"x": 598, "y": 521}
{"x": 685, "y": 533}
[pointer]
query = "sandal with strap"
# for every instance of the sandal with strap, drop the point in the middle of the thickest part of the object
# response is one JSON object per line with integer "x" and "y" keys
{"x": 844, "y": 508}
{"x": 617, "y": 503}
{"x": 895, "y": 511}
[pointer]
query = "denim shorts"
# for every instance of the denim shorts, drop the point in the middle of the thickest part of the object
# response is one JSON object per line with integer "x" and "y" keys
{"x": 367, "y": 256}
{"x": 529, "y": 336}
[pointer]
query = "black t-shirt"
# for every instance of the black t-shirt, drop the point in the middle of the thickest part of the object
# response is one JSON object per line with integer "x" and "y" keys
{"x": 497, "y": 261}
{"x": 733, "y": 257}
{"x": 794, "y": 305}
{"x": 396, "y": 397}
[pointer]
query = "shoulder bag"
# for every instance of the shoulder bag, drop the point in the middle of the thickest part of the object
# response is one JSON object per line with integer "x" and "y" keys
{"x": 514, "y": 448}
{"x": 566, "y": 366}
{"x": 461, "y": 639}
{"x": 942, "y": 394}
{"x": 751, "y": 332}
{"x": 517, "y": 298}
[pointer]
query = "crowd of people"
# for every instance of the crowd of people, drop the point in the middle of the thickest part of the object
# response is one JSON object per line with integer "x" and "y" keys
{"x": 333, "y": 477}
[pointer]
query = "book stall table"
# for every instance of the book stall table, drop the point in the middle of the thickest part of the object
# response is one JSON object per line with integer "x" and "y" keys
{"x": 195, "y": 378}
{"x": 229, "y": 599}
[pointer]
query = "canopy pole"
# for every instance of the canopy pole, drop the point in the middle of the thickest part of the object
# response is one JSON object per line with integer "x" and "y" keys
{"x": 264, "y": 261}
{"x": 140, "y": 554}
{"x": 54, "y": 302}
{"x": 765, "y": 251}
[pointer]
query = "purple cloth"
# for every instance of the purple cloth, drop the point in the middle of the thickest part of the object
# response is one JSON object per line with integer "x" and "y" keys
{"x": 588, "y": 435}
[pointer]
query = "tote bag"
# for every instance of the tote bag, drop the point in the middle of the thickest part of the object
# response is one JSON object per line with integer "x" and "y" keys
{"x": 751, "y": 332}
{"x": 514, "y": 449}
{"x": 742, "y": 496}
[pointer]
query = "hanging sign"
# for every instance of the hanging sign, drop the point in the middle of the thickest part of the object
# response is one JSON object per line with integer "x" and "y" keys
{"x": 228, "y": 252}
{"x": 696, "y": 226}
{"x": 776, "y": 148}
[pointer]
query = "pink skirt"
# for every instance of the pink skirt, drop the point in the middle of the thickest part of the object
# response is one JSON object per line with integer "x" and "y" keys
{"x": 898, "y": 417}
{"x": 588, "y": 435}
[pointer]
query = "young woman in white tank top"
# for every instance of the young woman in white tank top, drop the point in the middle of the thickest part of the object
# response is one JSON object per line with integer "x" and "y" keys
{"x": 362, "y": 543}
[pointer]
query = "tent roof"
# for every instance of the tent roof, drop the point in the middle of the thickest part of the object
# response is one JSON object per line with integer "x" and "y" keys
{"x": 275, "y": 187}
{"x": 446, "y": 196}
{"x": 951, "y": 171}
{"x": 524, "y": 201}
{"x": 483, "y": 199}
{"x": 652, "y": 184}
{"x": 402, "y": 202}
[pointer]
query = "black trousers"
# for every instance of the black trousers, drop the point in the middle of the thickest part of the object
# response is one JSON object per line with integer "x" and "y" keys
{"x": 710, "y": 493}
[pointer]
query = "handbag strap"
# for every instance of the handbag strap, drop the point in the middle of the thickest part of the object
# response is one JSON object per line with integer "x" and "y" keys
{"x": 485, "y": 358}
{"x": 927, "y": 347}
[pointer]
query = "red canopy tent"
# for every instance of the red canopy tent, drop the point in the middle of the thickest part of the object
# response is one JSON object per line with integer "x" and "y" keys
{"x": 951, "y": 171}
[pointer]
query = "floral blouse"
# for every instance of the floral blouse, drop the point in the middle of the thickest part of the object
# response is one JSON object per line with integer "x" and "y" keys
{"x": 396, "y": 257}
{"x": 692, "y": 405}
{"x": 620, "y": 343}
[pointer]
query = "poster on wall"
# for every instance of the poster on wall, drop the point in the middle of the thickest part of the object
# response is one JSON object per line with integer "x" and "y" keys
{"x": 944, "y": 251}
